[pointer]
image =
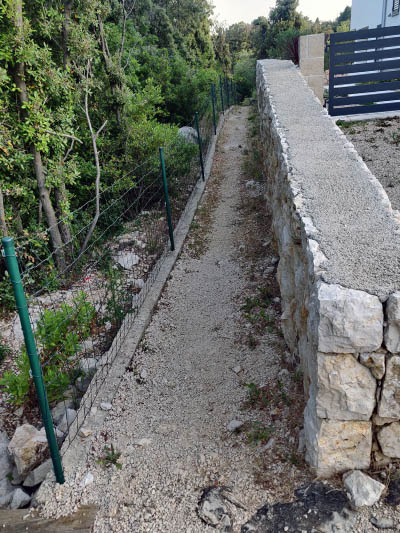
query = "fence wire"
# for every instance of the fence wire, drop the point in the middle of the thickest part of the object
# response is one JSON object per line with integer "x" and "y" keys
{"x": 83, "y": 299}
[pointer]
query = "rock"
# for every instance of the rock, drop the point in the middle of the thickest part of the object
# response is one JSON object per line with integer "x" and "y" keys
{"x": 83, "y": 382}
{"x": 318, "y": 507}
{"x": 19, "y": 499}
{"x": 84, "y": 432}
{"x": 105, "y": 406}
{"x": 87, "y": 346}
{"x": 389, "y": 405}
{"x": 250, "y": 184}
{"x": 242, "y": 248}
{"x": 189, "y": 134}
{"x": 67, "y": 420}
{"x": 302, "y": 442}
{"x": 393, "y": 495}
{"x": 234, "y": 425}
{"x": 362, "y": 489}
{"x": 5, "y": 500}
{"x": 6, "y": 489}
{"x": 335, "y": 446}
{"x": 392, "y": 330}
{"x": 143, "y": 374}
{"x": 143, "y": 442}
{"x": 274, "y": 260}
{"x": 381, "y": 421}
{"x": 350, "y": 321}
{"x": 27, "y": 448}
{"x": 276, "y": 300}
{"x": 87, "y": 480}
{"x": 38, "y": 475}
{"x": 138, "y": 283}
{"x": 380, "y": 460}
{"x": 383, "y": 523}
{"x": 389, "y": 440}
{"x": 60, "y": 409}
{"x": 345, "y": 388}
{"x": 214, "y": 510}
{"x": 15, "y": 478}
{"x": 6, "y": 465}
{"x": 268, "y": 271}
{"x": 237, "y": 369}
{"x": 375, "y": 362}
{"x": 126, "y": 260}
{"x": 88, "y": 365}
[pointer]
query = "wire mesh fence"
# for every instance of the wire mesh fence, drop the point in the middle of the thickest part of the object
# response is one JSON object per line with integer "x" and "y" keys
{"x": 83, "y": 296}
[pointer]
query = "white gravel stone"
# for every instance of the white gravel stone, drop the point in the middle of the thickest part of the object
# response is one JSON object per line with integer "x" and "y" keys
{"x": 67, "y": 420}
{"x": 19, "y": 499}
{"x": 127, "y": 260}
{"x": 362, "y": 489}
{"x": 26, "y": 447}
{"x": 350, "y": 321}
{"x": 106, "y": 406}
{"x": 234, "y": 425}
{"x": 87, "y": 480}
{"x": 392, "y": 330}
{"x": 389, "y": 440}
{"x": 389, "y": 405}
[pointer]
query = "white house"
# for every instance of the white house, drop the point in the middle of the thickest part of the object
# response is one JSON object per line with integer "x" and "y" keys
{"x": 374, "y": 14}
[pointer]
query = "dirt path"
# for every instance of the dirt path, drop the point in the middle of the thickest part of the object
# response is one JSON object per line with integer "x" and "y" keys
{"x": 212, "y": 354}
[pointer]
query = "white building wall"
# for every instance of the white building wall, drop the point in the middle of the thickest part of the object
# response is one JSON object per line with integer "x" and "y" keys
{"x": 369, "y": 14}
{"x": 366, "y": 14}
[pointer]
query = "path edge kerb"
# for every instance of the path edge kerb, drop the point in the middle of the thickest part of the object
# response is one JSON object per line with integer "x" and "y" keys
{"x": 78, "y": 450}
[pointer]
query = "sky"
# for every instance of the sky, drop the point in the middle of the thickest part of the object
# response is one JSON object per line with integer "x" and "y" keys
{"x": 231, "y": 11}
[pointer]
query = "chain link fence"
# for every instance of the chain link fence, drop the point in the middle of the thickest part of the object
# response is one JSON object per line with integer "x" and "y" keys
{"x": 74, "y": 318}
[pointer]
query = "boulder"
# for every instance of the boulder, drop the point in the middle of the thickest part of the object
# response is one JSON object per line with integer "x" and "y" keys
{"x": 335, "y": 446}
{"x": 67, "y": 420}
{"x": 6, "y": 465}
{"x": 389, "y": 405}
{"x": 38, "y": 475}
{"x": 27, "y": 448}
{"x": 362, "y": 489}
{"x": 345, "y": 388}
{"x": 88, "y": 365}
{"x": 392, "y": 330}
{"x": 60, "y": 409}
{"x": 350, "y": 321}
{"x": 19, "y": 499}
{"x": 389, "y": 440}
{"x": 6, "y": 492}
{"x": 375, "y": 361}
{"x": 189, "y": 134}
{"x": 127, "y": 260}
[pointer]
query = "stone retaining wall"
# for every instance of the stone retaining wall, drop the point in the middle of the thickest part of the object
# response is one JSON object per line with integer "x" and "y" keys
{"x": 339, "y": 246}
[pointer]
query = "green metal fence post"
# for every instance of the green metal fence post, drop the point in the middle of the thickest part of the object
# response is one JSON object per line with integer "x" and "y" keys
{"x": 232, "y": 93}
{"x": 167, "y": 205}
{"x": 227, "y": 92}
{"x": 22, "y": 307}
{"x": 213, "y": 109}
{"x": 222, "y": 94}
{"x": 196, "y": 119}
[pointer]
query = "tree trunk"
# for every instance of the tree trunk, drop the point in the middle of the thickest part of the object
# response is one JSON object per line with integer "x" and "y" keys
{"x": 19, "y": 76}
{"x": 65, "y": 33}
{"x": 4, "y": 230}
{"x": 60, "y": 194}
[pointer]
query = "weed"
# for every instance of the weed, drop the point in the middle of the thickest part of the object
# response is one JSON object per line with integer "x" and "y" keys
{"x": 256, "y": 395}
{"x": 4, "y": 350}
{"x": 396, "y": 137}
{"x": 110, "y": 458}
{"x": 258, "y": 433}
{"x": 292, "y": 458}
{"x": 298, "y": 376}
{"x": 252, "y": 342}
{"x": 282, "y": 394}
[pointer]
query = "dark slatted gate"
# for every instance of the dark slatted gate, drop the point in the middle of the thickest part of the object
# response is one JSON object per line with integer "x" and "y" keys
{"x": 364, "y": 71}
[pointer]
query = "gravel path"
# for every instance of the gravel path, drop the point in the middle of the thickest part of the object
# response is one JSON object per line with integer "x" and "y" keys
{"x": 186, "y": 384}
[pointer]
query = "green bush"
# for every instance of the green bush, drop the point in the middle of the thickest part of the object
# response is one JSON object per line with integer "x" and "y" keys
{"x": 58, "y": 336}
{"x": 245, "y": 77}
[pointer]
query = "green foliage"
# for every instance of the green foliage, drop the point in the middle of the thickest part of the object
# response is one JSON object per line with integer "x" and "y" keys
{"x": 58, "y": 336}
{"x": 110, "y": 457}
{"x": 245, "y": 76}
{"x": 258, "y": 433}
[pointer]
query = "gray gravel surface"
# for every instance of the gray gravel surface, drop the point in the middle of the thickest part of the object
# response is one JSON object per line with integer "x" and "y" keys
{"x": 357, "y": 233}
{"x": 378, "y": 143}
{"x": 172, "y": 427}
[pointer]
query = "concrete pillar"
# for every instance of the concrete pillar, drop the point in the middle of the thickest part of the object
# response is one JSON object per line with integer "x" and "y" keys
{"x": 312, "y": 48}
